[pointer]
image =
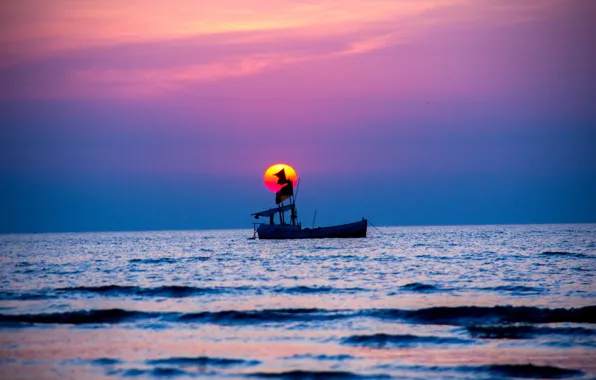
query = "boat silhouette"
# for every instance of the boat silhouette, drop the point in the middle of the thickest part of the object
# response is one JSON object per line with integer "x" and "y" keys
{"x": 293, "y": 229}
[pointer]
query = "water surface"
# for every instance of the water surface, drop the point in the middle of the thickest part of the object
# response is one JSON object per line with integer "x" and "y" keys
{"x": 417, "y": 302}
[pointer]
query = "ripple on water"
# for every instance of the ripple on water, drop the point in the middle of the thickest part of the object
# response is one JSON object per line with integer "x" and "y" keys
{"x": 210, "y": 304}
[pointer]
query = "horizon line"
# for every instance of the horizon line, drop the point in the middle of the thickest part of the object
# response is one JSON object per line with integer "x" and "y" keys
{"x": 250, "y": 229}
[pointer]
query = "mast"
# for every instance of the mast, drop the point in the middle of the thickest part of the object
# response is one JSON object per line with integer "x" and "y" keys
{"x": 293, "y": 201}
{"x": 293, "y": 210}
{"x": 281, "y": 214}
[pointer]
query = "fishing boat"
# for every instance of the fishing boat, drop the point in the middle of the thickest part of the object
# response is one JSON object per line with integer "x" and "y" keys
{"x": 292, "y": 229}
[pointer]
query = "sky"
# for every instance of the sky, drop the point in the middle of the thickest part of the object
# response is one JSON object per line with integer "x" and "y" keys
{"x": 143, "y": 115}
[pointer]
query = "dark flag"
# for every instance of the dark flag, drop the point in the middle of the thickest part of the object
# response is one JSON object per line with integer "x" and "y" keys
{"x": 284, "y": 193}
{"x": 281, "y": 175}
{"x": 287, "y": 190}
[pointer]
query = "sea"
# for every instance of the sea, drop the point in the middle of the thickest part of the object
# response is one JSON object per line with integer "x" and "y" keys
{"x": 457, "y": 302}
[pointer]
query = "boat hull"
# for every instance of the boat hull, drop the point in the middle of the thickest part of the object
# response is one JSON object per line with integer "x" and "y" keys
{"x": 276, "y": 231}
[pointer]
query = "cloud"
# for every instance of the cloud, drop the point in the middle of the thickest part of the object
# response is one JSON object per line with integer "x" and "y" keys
{"x": 60, "y": 25}
{"x": 114, "y": 49}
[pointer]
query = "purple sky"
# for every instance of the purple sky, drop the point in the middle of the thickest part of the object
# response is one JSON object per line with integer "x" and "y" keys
{"x": 142, "y": 116}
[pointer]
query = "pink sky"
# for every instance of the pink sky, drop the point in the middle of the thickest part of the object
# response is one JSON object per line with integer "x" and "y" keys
{"x": 111, "y": 49}
{"x": 338, "y": 77}
{"x": 439, "y": 97}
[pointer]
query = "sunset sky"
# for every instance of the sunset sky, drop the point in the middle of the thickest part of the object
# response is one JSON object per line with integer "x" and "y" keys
{"x": 128, "y": 115}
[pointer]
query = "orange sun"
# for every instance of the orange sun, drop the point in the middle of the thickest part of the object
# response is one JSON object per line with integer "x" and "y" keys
{"x": 271, "y": 180}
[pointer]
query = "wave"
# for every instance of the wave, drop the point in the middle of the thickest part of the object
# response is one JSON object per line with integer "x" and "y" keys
{"x": 180, "y": 291}
{"x": 479, "y": 315}
{"x": 173, "y": 367}
{"x": 569, "y": 254}
{"x": 525, "y": 332}
{"x": 493, "y": 370}
{"x": 572, "y": 343}
{"x": 163, "y": 369}
{"x": 106, "y": 361}
{"x": 101, "y": 316}
{"x": 153, "y": 372}
{"x": 501, "y": 332}
{"x": 198, "y": 258}
{"x": 172, "y": 291}
{"x": 315, "y": 375}
{"x": 458, "y": 316}
{"x": 514, "y": 289}
{"x": 19, "y": 296}
{"x": 203, "y": 361}
{"x": 228, "y": 317}
{"x": 419, "y": 287}
{"x": 529, "y": 371}
{"x": 315, "y": 289}
{"x": 321, "y": 357}
{"x": 236, "y": 317}
{"x": 162, "y": 260}
{"x": 400, "y": 340}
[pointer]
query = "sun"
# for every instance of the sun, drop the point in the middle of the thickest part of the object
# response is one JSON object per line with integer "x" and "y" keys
{"x": 271, "y": 180}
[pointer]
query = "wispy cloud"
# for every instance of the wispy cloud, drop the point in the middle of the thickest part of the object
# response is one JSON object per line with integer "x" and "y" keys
{"x": 60, "y": 25}
{"x": 145, "y": 48}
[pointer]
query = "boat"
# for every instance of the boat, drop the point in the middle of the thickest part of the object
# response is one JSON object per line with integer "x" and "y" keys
{"x": 293, "y": 229}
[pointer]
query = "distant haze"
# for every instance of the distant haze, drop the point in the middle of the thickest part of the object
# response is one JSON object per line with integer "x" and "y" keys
{"x": 146, "y": 115}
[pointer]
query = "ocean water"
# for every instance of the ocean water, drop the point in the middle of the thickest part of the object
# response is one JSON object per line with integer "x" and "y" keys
{"x": 471, "y": 302}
